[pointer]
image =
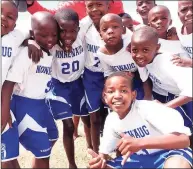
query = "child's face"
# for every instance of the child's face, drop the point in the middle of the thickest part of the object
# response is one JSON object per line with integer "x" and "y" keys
{"x": 96, "y": 10}
{"x": 118, "y": 95}
{"x": 46, "y": 35}
{"x": 68, "y": 32}
{"x": 143, "y": 51}
{"x": 111, "y": 31}
{"x": 159, "y": 19}
{"x": 143, "y": 7}
{"x": 128, "y": 23}
{"x": 9, "y": 14}
{"x": 185, "y": 12}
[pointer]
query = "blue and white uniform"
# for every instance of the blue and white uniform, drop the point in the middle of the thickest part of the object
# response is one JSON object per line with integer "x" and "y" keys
{"x": 121, "y": 61}
{"x": 35, "y": 121}
{"x": 174, "y": 79}
{"x": 186, "y": 41}
{"x": 10, "y": 48}
{"x": 67, "y": 97}
{"x": 145, "y": 119}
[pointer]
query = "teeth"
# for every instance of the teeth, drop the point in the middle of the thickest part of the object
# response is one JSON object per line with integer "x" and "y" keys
{"x": 117, "y": 103}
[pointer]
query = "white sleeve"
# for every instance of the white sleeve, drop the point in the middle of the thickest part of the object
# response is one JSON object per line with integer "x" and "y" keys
{"x": 106, "y": 68}
{"x": 182, "y": 76}
{"x": 20, "y": 36}
{"x": 20, "y": 67}
{"x": 143, "y": 72}
{"x": 165, "y": 119}
{"x": 110, "y": 139}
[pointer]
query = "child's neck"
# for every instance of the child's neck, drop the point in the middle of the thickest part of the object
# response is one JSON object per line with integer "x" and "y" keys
{"x": 111, "y": 50}
{"x": 186, "y": 30}
{"x": 145, "y": 21}
{"x": 163, "y": 35}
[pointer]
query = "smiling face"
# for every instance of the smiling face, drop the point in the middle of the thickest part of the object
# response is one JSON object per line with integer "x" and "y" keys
{"x": 144, "y": 6}
{"x": 185, "y": 12}
{"x": 96, "y": 10}
{"x": 159, "y": 18}
{"x": 9, "y": 14}
{"x": 118, "y": 94}
{"x": 111, "y": 29}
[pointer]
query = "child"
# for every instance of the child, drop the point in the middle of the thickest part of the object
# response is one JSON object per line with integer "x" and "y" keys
{"x": 36, "y": 125}
{"x": 158, "y": 66}
{"x": 127, "y": 21}
{"x": 185, "y": 32}
{"x": 113, "y": 55}
{"x": 138, "y": 132}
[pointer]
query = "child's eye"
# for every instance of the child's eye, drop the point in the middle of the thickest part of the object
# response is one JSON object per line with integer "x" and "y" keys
{"x": 183, "y": 9}
{"x": 109, "y": 91}
{"x": 134, "y": 50}
{"x": 145, "y": 50}
{"x": 104, "y": 29}
{"x": 10, "y": 17}
{"x": 123, "y": 91}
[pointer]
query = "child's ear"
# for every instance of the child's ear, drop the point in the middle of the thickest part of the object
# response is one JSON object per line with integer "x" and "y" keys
{"x": 78, "y": 29}
{"x": 134, "y": 94}
{"x": 158, "y": 47}
{"x": 137, "y": 11}
{"x": 104, "y": 97}
{"x": 124, "y": 30}
{"x": 170, "y": 22}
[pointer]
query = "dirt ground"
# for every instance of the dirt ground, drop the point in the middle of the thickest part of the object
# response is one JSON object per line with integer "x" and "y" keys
{"x": 58, "y": 157}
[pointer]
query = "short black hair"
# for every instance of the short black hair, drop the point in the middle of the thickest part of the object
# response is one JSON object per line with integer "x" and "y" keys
{"x": 125, "y": 75}
{"x": 67, "y": 14}
{"x": 125, "y": 15}
{"x": 151, "y": 0}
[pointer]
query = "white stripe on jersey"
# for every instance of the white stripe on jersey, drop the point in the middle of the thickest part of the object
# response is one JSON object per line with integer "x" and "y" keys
{"x": 67, "y": 67}
{"x": 121, "y": 61}
{"x": 10, "y": 48}
{"x": 33, "y": 80}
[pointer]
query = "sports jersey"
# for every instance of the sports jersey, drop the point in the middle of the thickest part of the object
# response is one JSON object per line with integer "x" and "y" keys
{"x": 167, "y": 76}
{"x": 33, "y": 80}
{"x": 10, "y": 48}
{"x": 145, "y": 119}
{"x": 186, "y": 41}
{"x": 67, "y": 67}
{"x": 120, "y": 61}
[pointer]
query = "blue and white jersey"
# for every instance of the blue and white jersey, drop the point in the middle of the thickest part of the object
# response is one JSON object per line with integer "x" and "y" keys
{"x": 167, "y": 76}
{"x": 186, "y": 41}
{"x": 145, "y": 119}
{"x": 10, "y": 48}
{"x": 68, "y": 66}
{"x": 121, "y": 61}
{"x": 33, "y": 80}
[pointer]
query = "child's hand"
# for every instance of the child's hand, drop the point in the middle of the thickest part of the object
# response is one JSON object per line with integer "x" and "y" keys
{"x": 182, "y": 61}
{"x": 34, "y": 51}
{"x": 5, "y": 118}
{"x": 97, "y": 161}
{"x": 172, "y": 34}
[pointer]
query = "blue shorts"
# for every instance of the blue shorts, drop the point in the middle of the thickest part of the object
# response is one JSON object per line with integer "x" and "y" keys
{"x": 161, "y": 98}
{"x": 67, "y": 99}
{"x": 10, "y": 143}
{"x": 155, "y": 160}
{"x": 93, "y": 84}
{"x": 36, "y": 125}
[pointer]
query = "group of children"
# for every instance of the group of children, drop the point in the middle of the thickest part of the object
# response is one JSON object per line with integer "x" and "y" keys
{"x": 88, "y": 65}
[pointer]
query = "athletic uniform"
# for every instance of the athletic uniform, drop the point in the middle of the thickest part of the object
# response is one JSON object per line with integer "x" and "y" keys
{"x": 174, "y": 79}
{"x": 121, "y": 61}
{"x": 67, "y": 97}
{"x": 36, "y": 125}
{"x": 145, "y": 119}
{"x": 10, "y": 48}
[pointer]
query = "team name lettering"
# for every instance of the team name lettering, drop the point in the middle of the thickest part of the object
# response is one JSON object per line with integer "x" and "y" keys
{"x": 123, "y": 67}
{"x": 44, "y": 69}
{"x": 75, "y": 51}
{"x": 188, "y": 49}
{"x": 138, "y": 132}
{"x": 6, "y": 51}
{"x": 154, "y": 79}
{"x": 92, "y": 48}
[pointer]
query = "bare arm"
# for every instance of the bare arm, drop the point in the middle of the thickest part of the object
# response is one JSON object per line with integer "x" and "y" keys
{"x": 147, "y": 87}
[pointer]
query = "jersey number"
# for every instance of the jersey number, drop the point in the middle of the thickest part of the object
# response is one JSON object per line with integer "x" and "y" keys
{"x": 97, "y": 63}
{"x": 49, "y": 86}
{"x": 66, "y": 67}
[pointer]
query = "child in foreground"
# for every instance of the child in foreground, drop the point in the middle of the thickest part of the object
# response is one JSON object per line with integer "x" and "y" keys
{"x": 138, "y": 132}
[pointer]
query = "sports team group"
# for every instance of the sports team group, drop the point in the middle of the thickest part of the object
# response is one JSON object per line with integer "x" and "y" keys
{"x": 137, "y": 79}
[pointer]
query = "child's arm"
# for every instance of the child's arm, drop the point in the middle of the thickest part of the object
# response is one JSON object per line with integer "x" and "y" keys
{"x": 182, "y": 61}
{"x": 6, "y": 92}
{"x": 147, "y": 87}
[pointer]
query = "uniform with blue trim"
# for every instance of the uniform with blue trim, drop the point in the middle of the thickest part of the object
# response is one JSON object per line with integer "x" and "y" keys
{"x": 10, "y": 49}
{"x": 145, "y": 119}
{"x": 67, "y": 97}
{"x": 171, "y": 78}
{"x": 36, "y": 125}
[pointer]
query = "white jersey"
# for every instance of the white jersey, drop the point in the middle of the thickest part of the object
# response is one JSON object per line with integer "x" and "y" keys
{"x": 10, "y": 48}
{"x": 33, "y": 80}
{"x": 167, "y": 76}
{"x": 121, "y": 61}
{"x": 67, "y": 67}
{"x": 186, "y": 41}
{"x": 145, "y": 119}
